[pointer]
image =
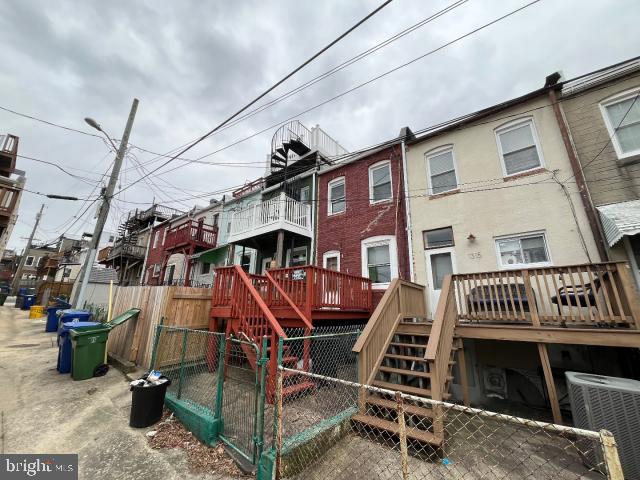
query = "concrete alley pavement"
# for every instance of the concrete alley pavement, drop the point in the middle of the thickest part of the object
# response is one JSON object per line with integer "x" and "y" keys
{"x": 47, "y": 412}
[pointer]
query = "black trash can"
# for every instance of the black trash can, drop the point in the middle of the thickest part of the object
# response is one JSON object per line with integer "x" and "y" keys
{"x": 147, "y": 403}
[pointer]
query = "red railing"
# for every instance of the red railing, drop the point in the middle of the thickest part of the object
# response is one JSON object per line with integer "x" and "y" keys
{"x": 317, "y": 288}
{"x": 191, "y": 232}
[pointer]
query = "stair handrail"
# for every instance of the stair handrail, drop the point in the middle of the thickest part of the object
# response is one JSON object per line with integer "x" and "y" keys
{"x": 271, "y": 319}
{"x": 291, "y": 303}
{"x": 440, "y": 342}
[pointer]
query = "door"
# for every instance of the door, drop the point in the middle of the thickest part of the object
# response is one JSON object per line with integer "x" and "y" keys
{"x": 440, "y": 263}
{"x": 169, "y": 276}
{"x": 266, "y": 263}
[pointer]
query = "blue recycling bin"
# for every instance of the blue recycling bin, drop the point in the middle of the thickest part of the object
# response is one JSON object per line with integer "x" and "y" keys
{"x": 28, "y": 301}
{"x": 52, "y": 315}
{"x": 65, "y": 349}
{"x": 70, "y": 315}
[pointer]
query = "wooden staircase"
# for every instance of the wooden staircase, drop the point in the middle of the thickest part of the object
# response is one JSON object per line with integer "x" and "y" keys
{"x": 401, "y": 351}
{"x": 251, "y": 319}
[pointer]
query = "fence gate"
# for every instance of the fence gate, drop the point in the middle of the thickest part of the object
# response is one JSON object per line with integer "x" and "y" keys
{"x": 243, "y": 398}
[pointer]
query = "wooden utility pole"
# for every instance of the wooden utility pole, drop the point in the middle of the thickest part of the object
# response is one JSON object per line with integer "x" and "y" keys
{"x": 18, "y": 275}
{"x": 104, "y": 208}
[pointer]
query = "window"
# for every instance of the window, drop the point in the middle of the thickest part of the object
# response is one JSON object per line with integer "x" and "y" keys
{"x": 522, "y": 250}
{"x": 331, "y": 260}
{"x": 441, "y": 171}
{"x": 518, "y": 146}
{"x": 164, "y": 235}
{"x": 206, "y": 268}
{"x": 380, "y": 260}
{"x": 171, "y": 269}
{"x": 29, "y": 261}
{"x": 216, "y": 219}
{"x": 337, "y": 203}
{"x": 156, "y": 238}
{"x": 438, "y": 238}
{"x": 38, "y": 261}
{"x": 298, "y": 258}
{"x": 622, "y": 117}
{"x": 305, "y": 196}
{"x": 380, "y": 182}
{"x": 156, "y": 270}
{"x": 245, "y": 262}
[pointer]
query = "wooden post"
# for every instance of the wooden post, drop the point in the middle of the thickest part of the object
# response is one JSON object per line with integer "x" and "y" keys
{"x": 551, "y": 386}
{"x": 362, "y": 400}
{"x": 402, "y": 433}
{"x": 630, "y": 292}
{"x": 280, "y": 249}
{"x": 279, "y": 423}
{"x": 533, "y": 308}
{"x": 610, "y": 455}
{"x": 464, "y": 381}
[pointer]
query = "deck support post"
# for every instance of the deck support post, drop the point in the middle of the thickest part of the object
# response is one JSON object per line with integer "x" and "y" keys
{"x": 280, "y": 249}
{"x": 610, "y": 455}
{"x": 551, "y": 386}
{"x": 402, "y": 433}
{"x": 462, "y": 368}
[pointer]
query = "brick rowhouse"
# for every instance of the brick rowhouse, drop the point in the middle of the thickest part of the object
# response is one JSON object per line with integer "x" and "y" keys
{"x": 362, "y": 219}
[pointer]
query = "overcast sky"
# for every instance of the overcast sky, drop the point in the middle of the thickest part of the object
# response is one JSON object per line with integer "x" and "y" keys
{"x": 192, "y": 63}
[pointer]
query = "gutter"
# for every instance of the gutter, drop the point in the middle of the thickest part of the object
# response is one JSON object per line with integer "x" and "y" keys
{"x": 407, "y": 210}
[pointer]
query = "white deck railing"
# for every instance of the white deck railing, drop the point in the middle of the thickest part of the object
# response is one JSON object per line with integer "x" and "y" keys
{"x": 281, "y": 212}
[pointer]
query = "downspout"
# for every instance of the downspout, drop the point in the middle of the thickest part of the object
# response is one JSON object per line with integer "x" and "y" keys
{"x": 146, "y": 257}
{"x": 314, "y": 215}
{"x": 579, "y": 175}
{"x": 407, "y": 211}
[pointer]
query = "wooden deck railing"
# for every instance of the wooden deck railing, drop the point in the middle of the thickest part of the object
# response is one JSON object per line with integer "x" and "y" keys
{"x": 438, "y": 351}
{"x": 595, "y": 294}
{"x": 401, "y": 300}
{"x": 319, "y": 288}
{"x": 191, "y": 232}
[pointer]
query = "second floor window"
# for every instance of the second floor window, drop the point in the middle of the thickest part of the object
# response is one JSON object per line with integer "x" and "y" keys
{"x": 519, "y": 147}
{"x": 441, "y": 170}
{"x": 29, "y": 261}
{"x": 380, "y": 182}
{"x": 622, "y": 117}
{"x": 337, "y": 201}
{"x": 156, "y": 238}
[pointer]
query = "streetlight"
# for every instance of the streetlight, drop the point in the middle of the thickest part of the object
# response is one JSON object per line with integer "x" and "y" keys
{"x": 93, "y": 124}
{"x": 103, "y": 212}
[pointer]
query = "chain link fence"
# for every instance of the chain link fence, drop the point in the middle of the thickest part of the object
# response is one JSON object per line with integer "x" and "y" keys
{"x": 341, "y": 429}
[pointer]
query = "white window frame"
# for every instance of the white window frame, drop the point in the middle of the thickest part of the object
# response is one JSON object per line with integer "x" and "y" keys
{"x": 156, "y": 270}
{"x": 536, "y": 140}
{"x": 330, "y": 254}
{"x": 519, "y": 236}
{"x": 164, "y": 235}
{"x": 308, "y": 190}
{"x": 297, "y": 249}
{"x": 27, "y": 263}
{"x": 434, "y": 153}
{"x": 156, "y": 238}
{"x": 617, "y": 98}
{"x": 393, "y": 256}
{"x": 330, "y": 185}
{"x": 375, "y": 166}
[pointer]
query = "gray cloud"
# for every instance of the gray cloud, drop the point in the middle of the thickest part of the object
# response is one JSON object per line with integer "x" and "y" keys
{"x": 192, "y": 63}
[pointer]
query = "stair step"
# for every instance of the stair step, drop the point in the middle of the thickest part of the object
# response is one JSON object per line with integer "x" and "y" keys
{"x": 408, "y": 408}
{"x": 392, "y": 427}
{"x": 297, "y": 388}
{"x": 402, "y": 371}
{"x": 408, "y": 345}
{"x": 405, "y": 357}
{"x": 420, "y": 392}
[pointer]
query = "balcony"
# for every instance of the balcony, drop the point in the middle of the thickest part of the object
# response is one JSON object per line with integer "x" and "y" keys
{"x": 103, "y": 254}
{"x": 126, "y": 250}
{"x": 8, "y": 152}
{"x": 191, "y": 234}
{"x": 8, "y": 199}
{"x": 279, "y": 213}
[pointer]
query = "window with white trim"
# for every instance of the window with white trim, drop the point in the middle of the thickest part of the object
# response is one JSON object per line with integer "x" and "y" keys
{"x": 380, "y": 182}
{"x": 519, "y": 147}
{"x": 441, "y": 171}
{"x": 380, "y": 260}
{"x": 524, "y": 250}
{"x": 298, "y": 257}
{"x": 622, "y": 118}
{"x": 337, "y": 196}
{"x": 156, "y": 238}
{"x": 29, "y": 261}
{"x": 305, "y": 195}
{"x": 331, "y": 260}
{"x": 156, "y": 270}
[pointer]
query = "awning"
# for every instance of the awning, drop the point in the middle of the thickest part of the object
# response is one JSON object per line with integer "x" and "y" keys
{"x": 215, "y": 256}
{"x": 620, "y": 219}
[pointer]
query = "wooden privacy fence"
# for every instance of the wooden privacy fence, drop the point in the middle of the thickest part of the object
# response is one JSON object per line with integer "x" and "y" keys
{"x": 177, "y": 306}
{"x": 54, "y": 289}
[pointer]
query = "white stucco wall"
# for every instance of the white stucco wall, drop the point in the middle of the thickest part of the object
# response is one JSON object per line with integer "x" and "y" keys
{"x": 514, "y": 206}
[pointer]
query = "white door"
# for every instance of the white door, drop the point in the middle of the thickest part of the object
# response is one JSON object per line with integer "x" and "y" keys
{"x": 440, "y": 263}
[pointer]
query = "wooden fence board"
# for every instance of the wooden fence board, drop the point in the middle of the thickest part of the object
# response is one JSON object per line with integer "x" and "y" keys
{"x": 179, "y": 306}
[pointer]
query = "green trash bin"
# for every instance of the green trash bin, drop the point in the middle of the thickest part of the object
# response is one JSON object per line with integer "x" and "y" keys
{"x": 88, "y": 351}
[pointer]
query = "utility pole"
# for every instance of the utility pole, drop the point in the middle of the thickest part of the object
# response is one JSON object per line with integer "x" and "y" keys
{"x": 18, "y": 275}
{"x": 103, "y": 213}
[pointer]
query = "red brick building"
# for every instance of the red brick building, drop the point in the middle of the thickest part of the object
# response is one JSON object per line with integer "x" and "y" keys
{"x": 155, "y": 256}
{"x": 362, "y": 217}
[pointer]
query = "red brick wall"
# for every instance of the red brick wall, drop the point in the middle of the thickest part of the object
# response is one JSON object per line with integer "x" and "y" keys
{"x": 155, "y": 256}
{"x": 345, "y": 231}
